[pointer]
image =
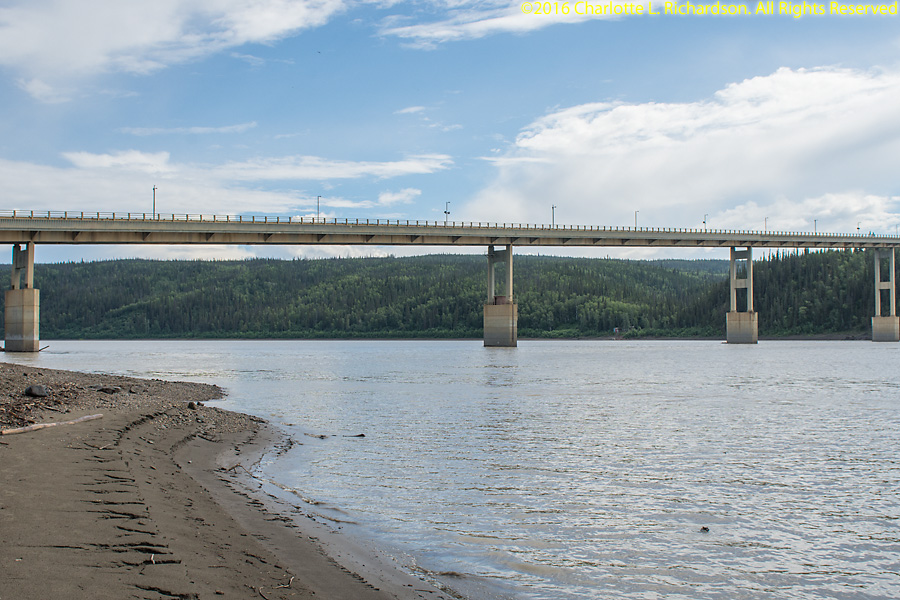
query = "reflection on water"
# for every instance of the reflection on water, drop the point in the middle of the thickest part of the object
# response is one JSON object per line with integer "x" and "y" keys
{"x": 583, "y": 469}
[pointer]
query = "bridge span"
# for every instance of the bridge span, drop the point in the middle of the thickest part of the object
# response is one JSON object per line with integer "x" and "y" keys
{"x": 24, "y": 229}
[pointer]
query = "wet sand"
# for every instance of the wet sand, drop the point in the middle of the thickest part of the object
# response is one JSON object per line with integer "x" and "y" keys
{"x": 155, "y": 500}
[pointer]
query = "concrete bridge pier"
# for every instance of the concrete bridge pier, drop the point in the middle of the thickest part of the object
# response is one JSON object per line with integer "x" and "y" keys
{"x": 741, "y": 326}
{"x": 885, "y": 328}
{"x": 501, "y": 314}
{"x": 22, "y": 310}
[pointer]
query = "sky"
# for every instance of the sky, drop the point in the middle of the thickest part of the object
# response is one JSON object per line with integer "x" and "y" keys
{"x": 491, "y": 110}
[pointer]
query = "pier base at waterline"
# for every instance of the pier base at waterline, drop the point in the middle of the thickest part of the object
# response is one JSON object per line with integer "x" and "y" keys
{"x": 886, "y": 329}
{"x": 742, "y": 327}
{"x": 21, "y": 320}
{"x": 501, "y": 324}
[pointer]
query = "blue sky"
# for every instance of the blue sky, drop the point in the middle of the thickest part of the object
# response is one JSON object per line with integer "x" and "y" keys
{"x": 391, "y": 109}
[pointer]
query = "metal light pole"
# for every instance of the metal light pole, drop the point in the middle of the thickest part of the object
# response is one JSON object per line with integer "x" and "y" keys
{"x": 446, "y": 212}
{"x": 317, "y": 207}
{"x": 154, "y": 201}
{"x": 815, "y": 226}
{"x": 553, "y": 215}
{"x": 704, "y": 220}
{"x": 635, "y": 218}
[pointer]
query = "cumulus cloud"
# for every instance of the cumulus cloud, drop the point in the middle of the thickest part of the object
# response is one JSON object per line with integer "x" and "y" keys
{"x": 791, "y": 149}
{"x": 49, "y": 41}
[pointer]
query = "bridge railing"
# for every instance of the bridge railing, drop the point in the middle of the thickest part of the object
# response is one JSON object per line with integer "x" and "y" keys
{"x": 213, "y": 218}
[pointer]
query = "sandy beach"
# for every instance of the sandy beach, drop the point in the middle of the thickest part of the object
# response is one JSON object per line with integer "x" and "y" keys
{"x": 155, "y": 500}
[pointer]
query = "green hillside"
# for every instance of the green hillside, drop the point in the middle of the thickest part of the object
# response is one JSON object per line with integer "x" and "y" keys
{"x": 442, "y": 296}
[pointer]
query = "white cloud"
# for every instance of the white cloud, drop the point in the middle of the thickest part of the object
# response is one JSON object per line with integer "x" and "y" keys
{"x": 253, "y": 61}
{"x": 180, "y": 252}
{"x": 420, "y": 111}
{"x": 133, "y": 160}
{"x": 404, "y": 196}
{"x": 469, "y": 20}
{"x": 145, "y": 131}
{"x": 344, "y": 203}
{"x": 43, "y": 92}
{"x": 786, "y": 146}
{"x": 316, "y": 168}
{"x": 123, "y": 182}
{"x": 50, "y": 41}
{"x": 829, "y": 213}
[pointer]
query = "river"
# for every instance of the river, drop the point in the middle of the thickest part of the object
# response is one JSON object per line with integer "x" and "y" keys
{"x": 580, "y": 469}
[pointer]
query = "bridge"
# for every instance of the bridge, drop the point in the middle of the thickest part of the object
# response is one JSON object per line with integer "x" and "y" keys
{"x": 24, "y": 229}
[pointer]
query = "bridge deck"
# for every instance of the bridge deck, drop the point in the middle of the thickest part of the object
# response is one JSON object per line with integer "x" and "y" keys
{"x": 18, "y": 227}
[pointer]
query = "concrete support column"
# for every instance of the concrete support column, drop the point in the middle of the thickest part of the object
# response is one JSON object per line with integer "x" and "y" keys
{"x": 741, "y": 324}
{"x": 501, "y": 314}
{"x": 885, "y": 328}
{"x": 23, "y": 301}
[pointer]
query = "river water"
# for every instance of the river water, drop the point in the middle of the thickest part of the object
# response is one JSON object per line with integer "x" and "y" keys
{"x": 580, "y": 469}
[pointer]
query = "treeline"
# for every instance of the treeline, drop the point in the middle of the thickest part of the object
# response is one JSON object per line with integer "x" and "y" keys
{"x": 442, "y": 296}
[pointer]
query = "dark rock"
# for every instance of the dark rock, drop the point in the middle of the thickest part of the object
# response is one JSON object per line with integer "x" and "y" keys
{"x": 37, "y": 391}
{"x": 109, "y": 389}
{"x": 192, "y": 405}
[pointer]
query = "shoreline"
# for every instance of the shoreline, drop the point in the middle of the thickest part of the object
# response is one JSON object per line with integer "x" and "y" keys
{"x": 159, "y": 500}
{"x": 811, "y": 337}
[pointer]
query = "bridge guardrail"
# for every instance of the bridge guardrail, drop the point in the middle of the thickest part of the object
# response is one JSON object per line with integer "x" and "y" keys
{"x": 265, "y": 219}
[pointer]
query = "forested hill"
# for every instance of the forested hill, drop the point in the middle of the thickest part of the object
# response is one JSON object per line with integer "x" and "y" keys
{"x": 441, "y": 296}
{"x": 423, "y": 296}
